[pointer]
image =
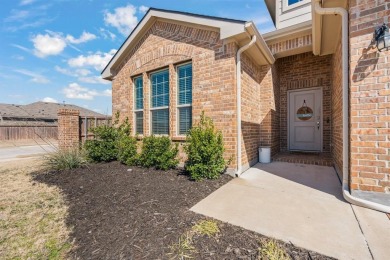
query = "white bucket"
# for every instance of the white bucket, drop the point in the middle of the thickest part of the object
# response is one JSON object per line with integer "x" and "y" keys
{"x": 264, "y": 154}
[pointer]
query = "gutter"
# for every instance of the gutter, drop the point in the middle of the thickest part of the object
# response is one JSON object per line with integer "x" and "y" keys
{"x": 345, "y": 85}
{"x": 238, "y": 83}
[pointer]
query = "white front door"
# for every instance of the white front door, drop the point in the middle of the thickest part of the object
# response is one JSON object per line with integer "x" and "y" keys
{"x": 305, "y": 120}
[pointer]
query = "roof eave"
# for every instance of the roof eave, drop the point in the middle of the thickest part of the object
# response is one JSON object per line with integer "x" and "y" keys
{"x": 260, "y": 43}
{"x": 228, "y": 28}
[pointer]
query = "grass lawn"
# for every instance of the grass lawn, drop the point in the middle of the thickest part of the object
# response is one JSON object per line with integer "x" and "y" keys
{"x": 32, "y": 215}
{"x": 116, "y": 213}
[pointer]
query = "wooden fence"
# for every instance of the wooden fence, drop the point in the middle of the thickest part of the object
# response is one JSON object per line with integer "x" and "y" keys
{"x": 87, "y": 123}
{"x": 25, "y": 132}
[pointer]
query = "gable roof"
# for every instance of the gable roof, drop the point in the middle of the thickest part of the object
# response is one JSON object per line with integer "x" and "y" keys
{"x": 41, "y": 110}
{"x": 228, "y": 28}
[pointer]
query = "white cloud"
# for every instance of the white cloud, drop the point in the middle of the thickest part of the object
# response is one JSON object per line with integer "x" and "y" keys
{"x": 50, "y": 100}
{"x": 17, "y": 15}
{"x": 48, "y": 44}
{"x": 83, "y": 72}
{"x": 54, "y": 43}
{"x": 20, "y": 47}
{"x": 143, "y": 9}
{"x": 26, "y": 2}
{"x": 18, "y": 57}
{"x": 85, "y": 37}
{"x": 96, "y": 60}
{"x": 124, "y": 19}
{"x": 107, "y": 34}
{"x": 36, "y": 78}
{"x": 75, "y": 91}
{"x": 94, "y": 80}
{"x": 75, "y": 73}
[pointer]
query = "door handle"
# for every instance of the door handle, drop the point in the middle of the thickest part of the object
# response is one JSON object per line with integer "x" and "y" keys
{"x": 318, "y": 125}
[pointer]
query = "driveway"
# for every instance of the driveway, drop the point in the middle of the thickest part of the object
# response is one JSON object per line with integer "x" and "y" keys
{"x": 303, "y": 205}
{"x": 11, "y": 153}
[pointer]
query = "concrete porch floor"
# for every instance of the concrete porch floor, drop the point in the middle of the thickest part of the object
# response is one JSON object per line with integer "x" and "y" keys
{"x": 301, "y": 204}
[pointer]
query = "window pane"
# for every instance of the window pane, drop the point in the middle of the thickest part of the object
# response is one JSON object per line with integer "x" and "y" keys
{"x": 185, "y": 84}
{"x": 160, "y": 89}
{"x": 139, "y": 123}
{"x": 290, "y": 2}
{"x": 160, "y": 122}
{"x": 185, "y": 120}
{"x": 139, "y": 95}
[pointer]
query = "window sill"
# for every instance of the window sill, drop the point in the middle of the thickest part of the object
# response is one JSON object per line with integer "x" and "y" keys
{"x": 179, "y": 138}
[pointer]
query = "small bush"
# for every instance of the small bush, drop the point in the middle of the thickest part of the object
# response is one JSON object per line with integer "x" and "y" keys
{"x": 206, "y": 227}
{"x": 184, "y": 248}
{"x": 271, "y": 250}
{"x": 158, "y": 152}
{"x": 65, "y": 160}
{"x": 127, "y": 150}
{"x": 103, "y": 148}
{"x": 108, "y": 141}
{"x": 204, "y": 148}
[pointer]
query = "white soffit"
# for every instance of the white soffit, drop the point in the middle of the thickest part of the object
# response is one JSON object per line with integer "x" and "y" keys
{"x": 326, "y": 28}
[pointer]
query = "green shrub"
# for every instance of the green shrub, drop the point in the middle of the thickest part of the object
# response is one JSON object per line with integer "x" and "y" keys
{"x": 127, "y": 150}
{"x": 106, "y": 144}
{"x": 204, "y": 148}
{"x": 103, "y": 147}
{"x": 158, "y": 152}
{"x": 65, "y": 159}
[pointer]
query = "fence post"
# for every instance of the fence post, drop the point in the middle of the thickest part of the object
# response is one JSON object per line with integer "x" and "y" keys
{"x": 68, "y": 129}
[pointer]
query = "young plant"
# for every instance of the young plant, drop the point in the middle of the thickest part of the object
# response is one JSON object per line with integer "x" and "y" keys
{"x": 127, "y": 150}
{"x": 158, "y": 152}
{"x": 204, "y": 148}
{"x": 271, "y": 250}
{"x": 206, "y": 227}
{"x": 112, "y": 143}
{"x": 65, "y": 159}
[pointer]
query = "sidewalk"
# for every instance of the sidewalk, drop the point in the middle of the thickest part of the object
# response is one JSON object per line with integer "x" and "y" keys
{"x": 303, "y": 205}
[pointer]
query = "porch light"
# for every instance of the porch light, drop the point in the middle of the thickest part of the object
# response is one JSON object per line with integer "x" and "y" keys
{"x": 382, "y": 37}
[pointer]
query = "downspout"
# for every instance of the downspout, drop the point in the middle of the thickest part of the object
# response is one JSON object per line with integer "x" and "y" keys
{"x": 344, "y": 45}
{"x": 238, "y": 83}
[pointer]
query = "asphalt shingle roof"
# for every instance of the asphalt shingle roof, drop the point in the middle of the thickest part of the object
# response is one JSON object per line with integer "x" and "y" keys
{"x": 41, "y": 109}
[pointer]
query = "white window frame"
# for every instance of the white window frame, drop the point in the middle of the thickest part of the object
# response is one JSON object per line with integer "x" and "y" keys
{"x": 177, "y": 98}
{"x": 151, "y": 109}
{"x": 287, "y": 7}
{"x": 135, "y": 110}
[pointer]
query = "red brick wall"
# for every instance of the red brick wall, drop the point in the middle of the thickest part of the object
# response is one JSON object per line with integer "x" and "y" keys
{"x": 250, "y": 110}
{"x": 369, "y": 98}
{"x": 270, "y": 108}
{"x": 164, "y": 46}
{"x": 305, "y": 71}
{"x": 337, "y": 111}
{"x": 68, "y": 128}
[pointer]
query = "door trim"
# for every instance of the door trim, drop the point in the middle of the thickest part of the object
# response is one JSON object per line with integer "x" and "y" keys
{"x": 288, "y": 117}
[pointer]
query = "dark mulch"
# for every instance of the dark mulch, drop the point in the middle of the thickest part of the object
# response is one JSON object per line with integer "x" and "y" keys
{"x": 138, "y": 214}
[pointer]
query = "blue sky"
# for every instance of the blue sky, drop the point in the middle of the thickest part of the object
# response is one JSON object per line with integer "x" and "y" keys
{"x": 55, "y": 50}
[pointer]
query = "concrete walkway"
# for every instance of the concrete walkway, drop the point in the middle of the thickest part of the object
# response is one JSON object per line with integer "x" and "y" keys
{"x": 21, "y": 152}
{"x": 301, "y": 204}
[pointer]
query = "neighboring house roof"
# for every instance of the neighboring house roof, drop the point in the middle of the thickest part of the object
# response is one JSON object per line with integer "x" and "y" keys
{"x": 41, "y": 110}
{"x": 241, "y": 31}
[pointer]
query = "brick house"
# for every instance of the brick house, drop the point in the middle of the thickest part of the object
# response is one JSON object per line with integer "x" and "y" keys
{"x": 283, "y": 89}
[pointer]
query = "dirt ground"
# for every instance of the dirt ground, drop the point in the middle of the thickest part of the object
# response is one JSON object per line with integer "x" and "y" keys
{"x": 117, "y": 212}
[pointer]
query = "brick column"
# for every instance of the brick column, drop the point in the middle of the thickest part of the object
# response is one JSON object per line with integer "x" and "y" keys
{"x": 68, "y": 128}
{"x": 369, "y": 98}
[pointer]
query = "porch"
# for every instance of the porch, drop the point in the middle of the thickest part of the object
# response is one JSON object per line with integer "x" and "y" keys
{"x": 300, "y": 204}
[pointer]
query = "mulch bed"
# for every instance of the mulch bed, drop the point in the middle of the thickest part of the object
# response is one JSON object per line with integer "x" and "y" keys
{"x": 115, "y": 213}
